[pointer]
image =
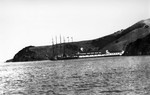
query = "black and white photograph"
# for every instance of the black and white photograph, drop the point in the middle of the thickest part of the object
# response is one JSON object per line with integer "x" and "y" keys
{"x": 74, "y": 47}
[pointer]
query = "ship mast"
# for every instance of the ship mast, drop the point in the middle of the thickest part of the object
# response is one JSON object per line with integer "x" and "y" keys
{"x": 60, "y": 44}
{"x": 64, "y": 47}
{"x": 56, "y": 46}
{"x": 53, "y": 47}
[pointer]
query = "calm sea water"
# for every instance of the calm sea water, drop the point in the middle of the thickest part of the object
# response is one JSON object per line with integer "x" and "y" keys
{"x": 73, "y": 78}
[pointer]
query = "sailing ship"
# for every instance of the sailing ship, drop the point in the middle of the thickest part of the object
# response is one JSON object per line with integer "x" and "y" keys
{"x": 59, "y": 52}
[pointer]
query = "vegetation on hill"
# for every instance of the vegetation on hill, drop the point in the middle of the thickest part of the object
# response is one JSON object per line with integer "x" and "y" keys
{"x": 133, "y": 40}
{"x": 139, "y": 47}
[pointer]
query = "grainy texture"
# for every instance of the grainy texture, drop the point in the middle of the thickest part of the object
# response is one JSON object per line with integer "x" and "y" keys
{"x": 97, "y": 76}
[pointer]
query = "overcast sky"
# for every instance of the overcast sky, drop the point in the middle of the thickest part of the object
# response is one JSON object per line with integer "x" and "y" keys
{"x": 35, "y": 22}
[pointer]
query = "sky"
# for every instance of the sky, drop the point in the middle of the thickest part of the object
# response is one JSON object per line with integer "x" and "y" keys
{"x": 36, "y": 22}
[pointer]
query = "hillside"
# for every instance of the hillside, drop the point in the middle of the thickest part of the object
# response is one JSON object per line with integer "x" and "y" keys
{"x": 128, "y": 39}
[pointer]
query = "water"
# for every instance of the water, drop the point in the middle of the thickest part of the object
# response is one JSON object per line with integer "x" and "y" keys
{"x": 76, "y": 77}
